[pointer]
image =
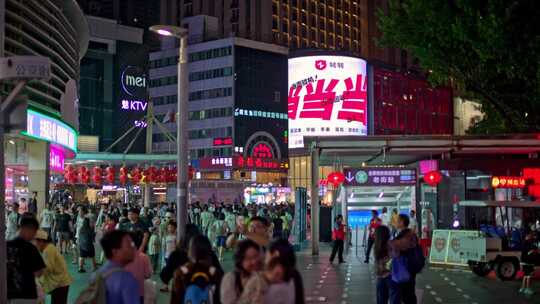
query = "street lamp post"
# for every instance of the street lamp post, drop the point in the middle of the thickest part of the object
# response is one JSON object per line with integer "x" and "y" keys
{"x": 181, "y": 124}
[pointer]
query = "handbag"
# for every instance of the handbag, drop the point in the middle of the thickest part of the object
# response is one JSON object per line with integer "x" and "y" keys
{"x": 400, "y": 273}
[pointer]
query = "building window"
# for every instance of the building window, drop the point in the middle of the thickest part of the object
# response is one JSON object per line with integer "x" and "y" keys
{"x": 210, "y": 54}
{"x": 210, "y": 94}
{"x": 209, "y": 74}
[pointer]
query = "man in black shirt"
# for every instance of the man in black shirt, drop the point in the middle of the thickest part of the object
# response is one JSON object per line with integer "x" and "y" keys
{"x": 139, "y": 231}
{"x": 24, "y": 263}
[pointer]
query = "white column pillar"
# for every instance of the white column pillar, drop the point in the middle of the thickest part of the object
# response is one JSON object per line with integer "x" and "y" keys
{"x": 38, "y": 172}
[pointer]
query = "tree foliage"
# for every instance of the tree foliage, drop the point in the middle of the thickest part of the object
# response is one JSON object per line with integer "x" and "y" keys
{"x": 489, "y": 50}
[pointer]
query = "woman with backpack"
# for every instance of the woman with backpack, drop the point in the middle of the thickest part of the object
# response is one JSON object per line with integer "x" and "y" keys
{"x": 247, "y": 260}
{"x": 198, "y": 280}
{"x": 386, "y": 288}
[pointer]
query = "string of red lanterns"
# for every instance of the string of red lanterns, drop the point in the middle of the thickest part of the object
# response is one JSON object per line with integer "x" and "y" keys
{"x": 136, "y": 175}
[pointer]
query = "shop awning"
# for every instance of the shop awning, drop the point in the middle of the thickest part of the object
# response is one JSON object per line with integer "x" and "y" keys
{"x": 404, "y": 149}
{"x": 119, "y": 158}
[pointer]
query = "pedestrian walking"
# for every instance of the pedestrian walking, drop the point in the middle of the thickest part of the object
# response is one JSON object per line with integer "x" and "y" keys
{"x": 23, "y": 264}
{"x": 373, "y": 224}
{"x": 32, "y": 204}
{"x": 221, "y": 230}
{"x": 387, "y": 289}
{"x": 406, "y": 243}
{"x": 293, "y": 287}
{"x": 12, "y": 222}
{"x": 56, "y": 279}
{"x": 338, "y": 236}
{"x": 140, "y": 268}
{"x": 154, "y": 248}
{"x": 86, "y": 245}
{"x": 257, "y": 289}
{"x": 247, "y": 260}
{"x": 200, "y": 277}
{"x": 120, "y": 285}
{"x": 62, "y": 224}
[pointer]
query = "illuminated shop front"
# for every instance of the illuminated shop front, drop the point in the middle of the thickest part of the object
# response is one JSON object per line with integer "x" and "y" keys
{"x": 35, "y": 157}
{"x": 266, "y": 194}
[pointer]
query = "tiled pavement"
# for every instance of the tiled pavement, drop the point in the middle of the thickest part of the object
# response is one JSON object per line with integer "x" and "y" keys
{"x": 353, "y": 282}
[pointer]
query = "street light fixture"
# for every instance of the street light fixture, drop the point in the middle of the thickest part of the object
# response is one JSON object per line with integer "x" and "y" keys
{"x": 181, "y": 123}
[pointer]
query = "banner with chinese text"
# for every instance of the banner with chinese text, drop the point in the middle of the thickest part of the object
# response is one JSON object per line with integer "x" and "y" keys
{"x": 327, "y": 97}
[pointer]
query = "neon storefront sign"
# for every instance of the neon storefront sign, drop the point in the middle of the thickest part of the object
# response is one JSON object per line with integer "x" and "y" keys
{"x": 43, "y": 127}
{"x": 56, "y": 159}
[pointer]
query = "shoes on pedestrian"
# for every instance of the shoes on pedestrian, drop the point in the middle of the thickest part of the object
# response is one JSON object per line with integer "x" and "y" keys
{"x": 366, "y": 261}
{"x": 341, "y": 262}
{"x": 330, "y": 261}
{"x": 81, "y": 270}
{"x": 164, "y": 289}
{"x": 528, "y": 292}
{"x": 521, "y": 290}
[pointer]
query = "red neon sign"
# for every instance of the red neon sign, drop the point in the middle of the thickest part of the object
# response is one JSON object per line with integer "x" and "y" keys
{"x": 223, "y": 141}
{"x": 262, "y": 150}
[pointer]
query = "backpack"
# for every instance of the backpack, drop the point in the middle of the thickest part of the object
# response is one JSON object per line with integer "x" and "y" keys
{"x": 96, "y": 292}
{"x": 199, "y": 288}
{"x": 415, "y": 259}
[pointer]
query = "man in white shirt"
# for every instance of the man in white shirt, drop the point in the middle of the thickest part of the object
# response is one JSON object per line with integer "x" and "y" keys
{"x": 385, "y": 217}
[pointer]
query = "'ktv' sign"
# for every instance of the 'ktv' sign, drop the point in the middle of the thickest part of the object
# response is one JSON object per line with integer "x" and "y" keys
{"x": 327, "y": 97}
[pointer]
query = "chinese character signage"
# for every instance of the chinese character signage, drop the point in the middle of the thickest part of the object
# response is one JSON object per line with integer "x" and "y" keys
{"x": 48, "y": 128}
{"x": 56, "y": 159}
{"x": 327, "y": 97}
{"x": 240, "y": 162}
{"x": 379, "y": 176}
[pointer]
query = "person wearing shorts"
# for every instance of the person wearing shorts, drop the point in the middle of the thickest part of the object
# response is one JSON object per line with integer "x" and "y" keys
{"x": 63, "y": 230}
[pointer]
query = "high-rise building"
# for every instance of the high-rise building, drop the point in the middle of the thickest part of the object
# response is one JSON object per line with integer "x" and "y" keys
{"x": 237, "y": 113}
{"x": 347, "y": 25}
{"x": 115, "y": 52}
{"x": 44, "y": 130}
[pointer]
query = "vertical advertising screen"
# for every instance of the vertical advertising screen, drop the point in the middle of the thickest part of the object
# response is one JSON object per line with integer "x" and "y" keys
{"x": 327, "y": 97}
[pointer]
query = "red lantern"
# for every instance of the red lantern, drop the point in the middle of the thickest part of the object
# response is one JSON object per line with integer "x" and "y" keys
{"x": 161, "y": 175}
{"x": 97, "y": 172}
{"x": 70, "y": 174}
{"x": 110, "y": 175}
{"x": 123, "y": 175}
{"x": 336, "y": 178}
{"x": 171, "y": 176}
{"x": 84, "y": 175}
{"x": 433, "y": 178}
{"x": 136, "y": 175}
{"x": 151, "y": 175}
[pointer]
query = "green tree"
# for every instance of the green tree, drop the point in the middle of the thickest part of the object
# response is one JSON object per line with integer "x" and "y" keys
{"x": 488, "y": 50}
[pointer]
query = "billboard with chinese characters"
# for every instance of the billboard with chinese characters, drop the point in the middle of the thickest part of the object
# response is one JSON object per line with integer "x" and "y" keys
{"x": 327, "y": 96}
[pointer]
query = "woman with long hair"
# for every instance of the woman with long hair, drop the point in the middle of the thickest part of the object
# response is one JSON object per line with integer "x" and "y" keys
{"x": 201, "y": 264}
{"x": 386, "y": 288}
{"x": 293, "y": 284}
{"x": 247, "y": 260}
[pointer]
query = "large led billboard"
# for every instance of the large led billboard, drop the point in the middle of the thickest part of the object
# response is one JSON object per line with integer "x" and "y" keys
{"x": 327, "y": 97}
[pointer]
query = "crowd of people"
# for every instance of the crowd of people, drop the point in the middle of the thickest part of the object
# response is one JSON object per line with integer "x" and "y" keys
{"x": 125, "y": 246}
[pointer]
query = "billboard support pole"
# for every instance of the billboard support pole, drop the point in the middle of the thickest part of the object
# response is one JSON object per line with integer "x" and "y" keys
{"x": 315, "y": 199}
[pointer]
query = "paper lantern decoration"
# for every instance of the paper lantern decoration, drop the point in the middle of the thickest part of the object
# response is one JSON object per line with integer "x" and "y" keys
{"x": 136, "y": 175}
{"x": 84, "y": 175}
{"x": 110, "y": 175}
{"x": 97, "y": 175}
{"x": 123, "y": 175}
{"x": 433, "y": 178}
{"x": 336, "y": 178}
{"x": 70, "y": 174}
{"x": 151, "y": 174}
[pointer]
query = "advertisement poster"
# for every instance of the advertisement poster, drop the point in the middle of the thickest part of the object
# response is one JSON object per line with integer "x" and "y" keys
{"x": 327, "y": 97}
{"x": 438, "y": 246}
